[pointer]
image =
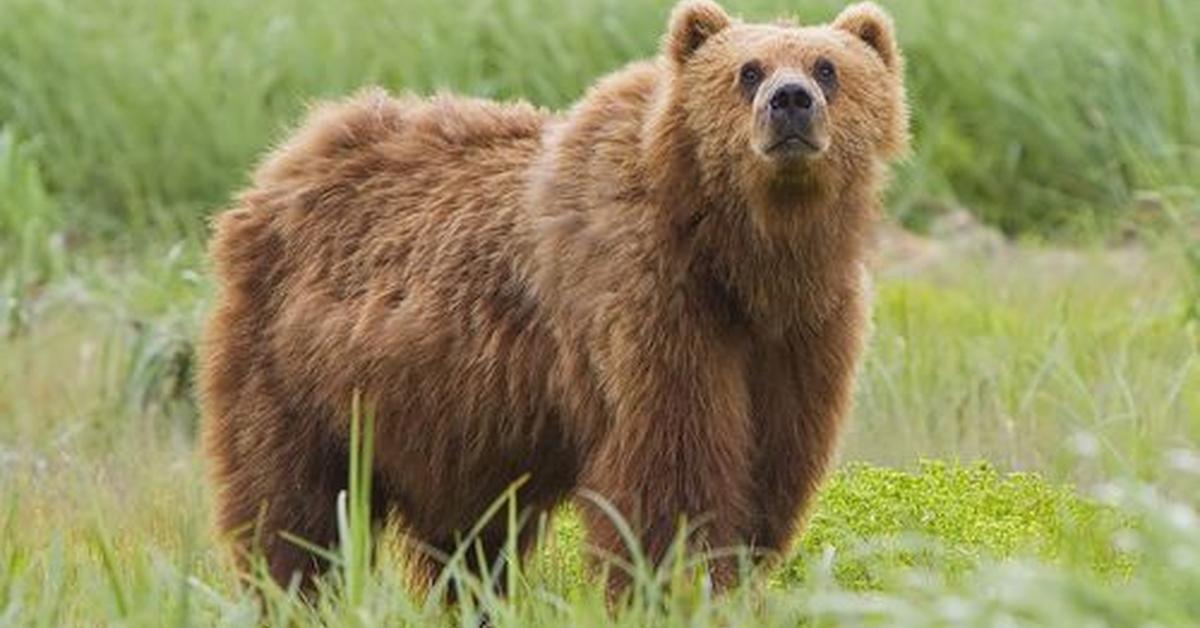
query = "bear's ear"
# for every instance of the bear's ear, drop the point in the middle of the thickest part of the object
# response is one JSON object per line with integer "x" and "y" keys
{"x": 692, "y": 23}
{"x": 873, "y": 25}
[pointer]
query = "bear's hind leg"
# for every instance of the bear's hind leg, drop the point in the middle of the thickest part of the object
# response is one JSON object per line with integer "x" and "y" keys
{"x": 278, "y": 479}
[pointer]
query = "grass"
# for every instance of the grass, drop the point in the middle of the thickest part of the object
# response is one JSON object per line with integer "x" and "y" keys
{"x": 1026, "y": 357}
{"x": 155, "y": 562}
{"x": 1024, "y": 444}
{"x": 140, "y": 116}
{"x": 1070, "y": 368}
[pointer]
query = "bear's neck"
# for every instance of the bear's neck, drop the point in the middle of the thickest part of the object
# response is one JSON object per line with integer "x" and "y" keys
{"x": 783, "y": 253}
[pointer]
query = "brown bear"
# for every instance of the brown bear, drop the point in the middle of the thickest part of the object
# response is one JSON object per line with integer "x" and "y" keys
{"x": 656, "y": 297}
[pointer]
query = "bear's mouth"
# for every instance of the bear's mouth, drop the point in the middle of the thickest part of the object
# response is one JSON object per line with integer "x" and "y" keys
{"x": 794, "y": 145}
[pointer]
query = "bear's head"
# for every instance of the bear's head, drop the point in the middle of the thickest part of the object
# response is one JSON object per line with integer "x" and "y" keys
{"x": 773, "y": 107}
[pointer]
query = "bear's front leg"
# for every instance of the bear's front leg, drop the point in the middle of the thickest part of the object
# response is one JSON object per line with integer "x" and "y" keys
{"x": 801, "y": 388}
{"x": 678, "y": 444}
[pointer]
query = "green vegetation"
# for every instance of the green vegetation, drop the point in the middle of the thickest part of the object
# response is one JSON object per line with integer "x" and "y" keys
{"x": 946, "y": 518}
{"x": 143, "y": 115}
{"x": 873, "y": 530}
{"x": 1074, "y": 372}
{"x": 1028, "y": 356}
{"x": 1033, "y": 360}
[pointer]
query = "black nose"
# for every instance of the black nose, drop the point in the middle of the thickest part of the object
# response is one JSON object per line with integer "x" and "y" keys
{"x": 791, "y": 96}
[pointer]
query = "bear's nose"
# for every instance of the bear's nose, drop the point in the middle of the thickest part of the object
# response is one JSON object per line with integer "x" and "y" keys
{"x": 794, "y": 114}
{"x": 791, "y": 96}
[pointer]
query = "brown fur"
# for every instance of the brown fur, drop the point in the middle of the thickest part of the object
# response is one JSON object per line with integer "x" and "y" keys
{"x": 626, "y": 298}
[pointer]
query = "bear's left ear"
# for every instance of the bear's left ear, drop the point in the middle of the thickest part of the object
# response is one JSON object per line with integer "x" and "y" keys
{"x": 873, "y": 25}
{"x": 692, "y": 23}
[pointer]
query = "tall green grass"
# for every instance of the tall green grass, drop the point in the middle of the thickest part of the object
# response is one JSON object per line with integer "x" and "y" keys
{"x": 1071, "y": 367}
{"x": 140, "y": 559}
{"x": 1030, "y": 356}
{"x": 141, "y": 116}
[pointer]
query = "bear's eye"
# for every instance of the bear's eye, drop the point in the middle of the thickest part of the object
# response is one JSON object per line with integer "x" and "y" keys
{"x": 826, "y": 73}
{"x": 751, "y": 75}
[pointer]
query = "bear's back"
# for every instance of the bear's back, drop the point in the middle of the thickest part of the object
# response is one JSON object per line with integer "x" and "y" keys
{"x": 385, "y": 229}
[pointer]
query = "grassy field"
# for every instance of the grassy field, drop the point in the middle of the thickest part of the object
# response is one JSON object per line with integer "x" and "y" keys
{"x": 1025, "y": 447}
{"x": 144, "y": 114}
{"x": 1075, "y": 369}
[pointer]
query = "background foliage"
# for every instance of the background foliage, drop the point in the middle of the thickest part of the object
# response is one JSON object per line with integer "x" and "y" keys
{"x": 143, "y": 115}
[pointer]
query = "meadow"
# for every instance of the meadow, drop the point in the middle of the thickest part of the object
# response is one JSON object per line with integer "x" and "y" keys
{"x": 1025, "y": 447}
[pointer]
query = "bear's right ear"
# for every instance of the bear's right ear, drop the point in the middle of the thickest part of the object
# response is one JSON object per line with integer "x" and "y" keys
{"x": 692, "y": 23}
